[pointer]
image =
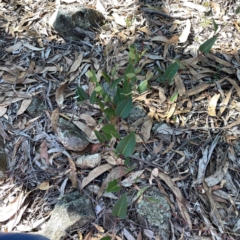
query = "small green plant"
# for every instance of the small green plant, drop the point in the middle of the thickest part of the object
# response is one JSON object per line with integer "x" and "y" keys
{"x": 115, "y": 108}
{"x": 119, "y": 105}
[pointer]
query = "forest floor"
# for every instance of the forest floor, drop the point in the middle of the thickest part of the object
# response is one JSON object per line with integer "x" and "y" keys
{"x": 193, "y": 159}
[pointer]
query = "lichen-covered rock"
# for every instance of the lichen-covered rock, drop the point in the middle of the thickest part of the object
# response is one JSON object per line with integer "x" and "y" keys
{"x": 72, "y": 212}
{"x": 155, "y": 208}
{"x": 68, "y": 18}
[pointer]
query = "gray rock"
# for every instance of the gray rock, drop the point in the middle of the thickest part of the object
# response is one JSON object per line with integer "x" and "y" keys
{"x": 74, "y": 21}
{"x": 36, "y": 107}
{"x": 136, "y": 113}
{"x": 70, "y": 136}
{"x": 155, "y": 208}
{"x": 72, "y": 212}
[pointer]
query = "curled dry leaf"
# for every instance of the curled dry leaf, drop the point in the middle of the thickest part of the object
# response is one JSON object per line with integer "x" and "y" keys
{"x": 179, "y": 84}
{"x": 146, "y": 129}
{"x": 179, "y": 197}
{"x": 112, "y": 159}
{"x": 25, "y": 104}
{"x": 54, "y": 119}
{"x": 162, "y": 97}
{"x": 184, "y": 36}
{"x": 44, "y": 151}
{"x": 59, "y": 96}
{"x": 76, "y": 63}
{"x": 154, "y": 174}
{"x": 212, "y": 105}
{"x": 131, "y": 178}
{"x": 88, "y": 119}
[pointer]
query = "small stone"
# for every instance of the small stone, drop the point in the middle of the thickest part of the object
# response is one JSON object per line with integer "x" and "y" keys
{"x": 36, "y": 107}
{"x": 136, "y": 113}
{"x": 71, "y": 137}
{"x": 72, "y": 212}
{"x": 89, "y": 161}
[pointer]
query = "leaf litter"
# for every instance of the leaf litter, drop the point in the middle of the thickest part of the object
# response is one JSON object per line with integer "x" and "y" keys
{"x": 194, "y": 173}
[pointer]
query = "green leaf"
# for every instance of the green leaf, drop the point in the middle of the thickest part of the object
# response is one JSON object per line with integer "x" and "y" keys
{"x": 141, "y": 191}
{"x": 127, "y": 161}
{"x": 114, "y": 70}
{"x": 110, "y": 129}
{"x": 127, "y": 88}
{"x": 93, "y": 97}
{"x": 113, "y": 186}
{"x": 215, "y": 26}
{"x": 120, "y": 208}
{"x": 130, "y": 75}
{"x": 174, "y": 97}
{"x": 143, "y": 86}
{"x": 98, "y": 89}
{"x": 206, "y": 46}
{"x": 131, "y": 55}
{"x": 101, "y": 137}
{"x": 171, "y": 71}
{"x": 109, "y": 111}
{"x": 238, "y": 10}
{"x": 106, "y": 238}
{"x": 106, "y": 76}
{"x": 130, "y": 69}
{"x": 89, "y": 74}
{"x": 118, "y": 97}
{"x": 115, "y": 83}
{"x": 127, "y": 145}
{"x": 100, "y": 104}
{"x": 81, "y": 94}
{"x": 124, "y": 108}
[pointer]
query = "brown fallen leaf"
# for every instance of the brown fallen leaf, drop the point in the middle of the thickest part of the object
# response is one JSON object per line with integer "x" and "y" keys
{"x": 146, "y": 129}
{"x": 59, "y": 95}
{"x": 179, "y": 85}
{"x": 54, "y": 119}
{"x": 236, "y": 86}
{"x": 73, "y": 173}
{"x": 181, "y": 201}
{"x": 225, "y": 102}
{"x": 95, "y": 173}
{"x": 76, "y": 63}
{"x": 44, "y": 151}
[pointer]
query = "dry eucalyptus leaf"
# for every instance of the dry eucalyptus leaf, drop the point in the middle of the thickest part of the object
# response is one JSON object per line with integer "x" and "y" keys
{"x": 59, "y": 96}
{"x": 95, "y": 173}
{"x": 212, "y": 105}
